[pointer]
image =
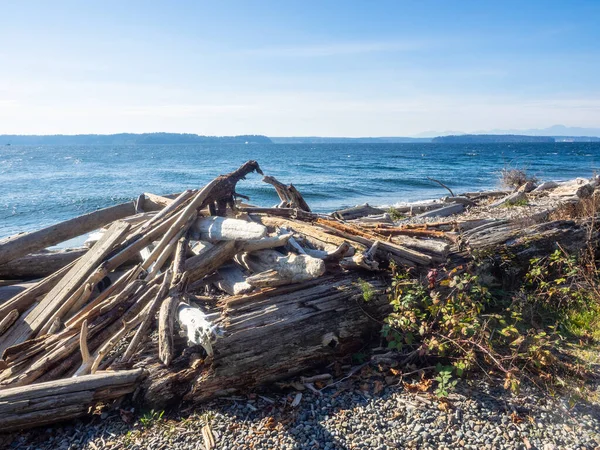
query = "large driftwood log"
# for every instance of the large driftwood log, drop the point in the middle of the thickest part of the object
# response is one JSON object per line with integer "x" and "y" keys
{"x": 504, "y": 249}
{"x": 22, "y": 244}
{"x": 313, "y": 322}
{"x": 55, "y": 401}
{"x": 39, "y": 265}
{"x": 526, "y": 242}
{"x": 545, "y": 186}
{"x": 384, "y": 218}
{"x": 443, "y": 211}
{"x": 226, "y": 229}
{"x": 271, "y": 268}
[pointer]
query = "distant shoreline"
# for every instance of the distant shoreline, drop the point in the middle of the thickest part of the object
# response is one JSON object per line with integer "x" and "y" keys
{"x": 190, "y": 139}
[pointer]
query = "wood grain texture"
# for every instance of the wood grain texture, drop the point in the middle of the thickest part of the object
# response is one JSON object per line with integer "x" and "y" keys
{"x": 28, "y": 325}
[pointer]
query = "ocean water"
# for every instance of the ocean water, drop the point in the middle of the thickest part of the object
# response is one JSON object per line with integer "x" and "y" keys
{"x": 40, "y": 186}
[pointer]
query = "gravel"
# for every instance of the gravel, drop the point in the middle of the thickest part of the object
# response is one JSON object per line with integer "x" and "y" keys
{"x": 360, "y": 413}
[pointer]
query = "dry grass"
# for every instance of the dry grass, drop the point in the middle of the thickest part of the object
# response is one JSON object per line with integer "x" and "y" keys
{"x": 585, "y": 208}
{"x": 514, "y": 178}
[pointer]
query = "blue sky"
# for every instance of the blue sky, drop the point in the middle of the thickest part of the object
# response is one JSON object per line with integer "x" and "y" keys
{"x": 297, "y": 68}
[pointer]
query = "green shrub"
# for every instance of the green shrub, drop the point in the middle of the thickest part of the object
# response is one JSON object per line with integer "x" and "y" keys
{"x": 457, "y": 321}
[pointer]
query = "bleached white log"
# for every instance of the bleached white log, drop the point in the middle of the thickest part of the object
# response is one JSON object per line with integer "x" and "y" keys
{"x": 233, "y": 281}
{"x": 380, "y": 218}
{"x": 580, "y": 187}
{"x": 546, "y": 185}
{"x": 291, "y": 268}
{"x": 445, "y": 211}
{"x": 226, "y": 229}
{"x": 510, "y": 199}
{"x": 416, "y": 208}
{"x": 462, "y": 200}
{"x": 198, "y": 328}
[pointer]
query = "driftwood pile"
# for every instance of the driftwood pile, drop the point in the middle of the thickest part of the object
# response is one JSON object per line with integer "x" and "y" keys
{"x": 197, "y": 295}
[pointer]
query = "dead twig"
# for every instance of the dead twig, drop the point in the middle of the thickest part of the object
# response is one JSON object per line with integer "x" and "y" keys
{"x": 443, "y": 185}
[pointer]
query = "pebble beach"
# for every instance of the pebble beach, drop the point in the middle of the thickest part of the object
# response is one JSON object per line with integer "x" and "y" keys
{"x": 350, "y": 415}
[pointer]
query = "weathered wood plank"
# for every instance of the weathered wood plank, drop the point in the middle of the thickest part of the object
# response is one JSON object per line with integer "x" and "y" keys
{"x": 53, "y": 303}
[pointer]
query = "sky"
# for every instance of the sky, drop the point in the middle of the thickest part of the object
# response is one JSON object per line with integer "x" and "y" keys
{"x": 297, "y": 68}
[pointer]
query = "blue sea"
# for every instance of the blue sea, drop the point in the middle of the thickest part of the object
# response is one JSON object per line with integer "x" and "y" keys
{"x": 43, "y": 185}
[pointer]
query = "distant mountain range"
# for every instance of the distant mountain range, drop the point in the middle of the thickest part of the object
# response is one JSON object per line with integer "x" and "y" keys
{"x": 555, "y": 130}
{"x": 129, "y": 139}
{"x": 492, "y": 139}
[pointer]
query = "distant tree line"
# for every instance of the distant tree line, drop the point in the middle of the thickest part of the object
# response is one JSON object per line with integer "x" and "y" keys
{"x": 491, "y": 139}
{"x": 129, "y": 139}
